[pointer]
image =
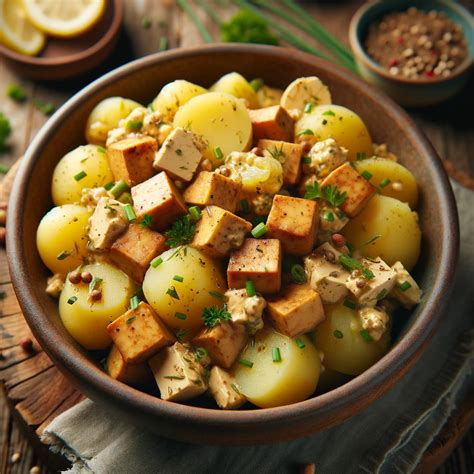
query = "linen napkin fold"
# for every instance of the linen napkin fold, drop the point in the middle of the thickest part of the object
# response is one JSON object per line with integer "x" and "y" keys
{"x": 388, "y": 437}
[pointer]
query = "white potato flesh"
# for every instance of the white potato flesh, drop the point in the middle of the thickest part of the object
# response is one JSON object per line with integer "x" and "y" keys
{"x": 61, "y": 237}
{"x": 269, "y": 384}
{"x": 87, "y": 321}
{"x": 88, "y": 159}
{"x": 235, "y": 84}
{"x": 105, "y": 116}
{"x": 221, "y": 119}
{"x": 344, "y": 349}
{"x": 200, "y": 277}
{"x": 174, "y": 95}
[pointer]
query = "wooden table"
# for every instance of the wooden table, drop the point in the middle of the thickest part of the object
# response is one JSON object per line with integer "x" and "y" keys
{"x": 450, "y": 128}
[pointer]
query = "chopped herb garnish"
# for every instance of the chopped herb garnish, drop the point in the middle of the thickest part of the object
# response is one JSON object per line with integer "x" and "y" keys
{"x": 300, "y": 343}
{"x": 384, "y": 182}
{"x": 235, "y": 388}
{"x": 276, "y": 152}
{"x": 72, "y": 300}
{"x": 382, "y": 294}
{"x": 328, "y": 216}
{"x": 218, "y": 153}
{"x": 157, "y": 261}
{"x": 365, "y": 335}
{"x": 250, "y": 288}
{"x": 195, "y": 213}
{"x": 350, "y": 263}
{"x": 259, "y": 230}
{"x": 256, "y": 84}
{"x": 181, "y": 232}
{"x": 404, "y": 286}
{"x": 307, "y": 160}
{"x": 81, "y": 175}
{"x": 132, "y": 318}
{"x": 218, "y": 296}
{"x": 246, "y": 363}
{"x": 305, "y": 132}
{"x": 330, "y": 113}
{"x": 64, "y": 254}
{"x": 109, "y": 186}
{"x": 308, "y": 108}
{"x": 172, "y": 292}
{"x": 178, "y": 278}
{"x": 298, "y": 274}
{"x": 146, "y": 221}
{"x": 94, "y": 284}
{"x": 163, "y": 46}
{"x": 350, "y": 247}
{"x": 134, "y": 302}
{"x": 201, "y": 353}
{"x": 338, "y": 334}
{"x": 118, "y": 188}
{"x": 182, "y": 334}
{"x": 366, "y": 175}
{"x": 131, "y": 124}
{"x": 373, "y": 239}
{"x": 276, "y": 356}
{"x": 214, "y": 315}
{"x": 44, "y": 107}
{"x": 349, "y": 304}
{"x": 125, "y": 198}
{"x": 174, "y": 377}
{"x": 101, "y": 149}
{"x": 333, "y": 196}
{"x": 16, "y": 93}
{"x": 130, "y": 213}
{"x": 245, "y": 206}
{"x": 180, "y": 316}
{"x": 313, "y": 191}
{"x": 360, "y": 155}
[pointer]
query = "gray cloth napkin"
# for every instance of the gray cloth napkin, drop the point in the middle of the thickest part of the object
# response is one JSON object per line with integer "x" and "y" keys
{"x": 389, "y": 437}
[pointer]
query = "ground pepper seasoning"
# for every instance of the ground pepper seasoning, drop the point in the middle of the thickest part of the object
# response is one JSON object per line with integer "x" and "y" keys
{"x": 417, "y": 44}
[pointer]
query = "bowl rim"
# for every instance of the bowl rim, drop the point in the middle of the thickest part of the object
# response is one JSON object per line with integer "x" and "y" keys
{"x": 67, "y": 60}
{"x": 376, "y": 380}
{"x": 361, "y": 53}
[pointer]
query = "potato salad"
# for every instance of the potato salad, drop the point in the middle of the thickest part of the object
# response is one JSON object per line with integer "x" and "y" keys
{"x": 238, "y": 241}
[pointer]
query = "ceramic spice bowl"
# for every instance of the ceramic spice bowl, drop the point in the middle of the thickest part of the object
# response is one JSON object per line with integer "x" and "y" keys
{"x": 140, "y": 80}
{"x": 425, "y": 90}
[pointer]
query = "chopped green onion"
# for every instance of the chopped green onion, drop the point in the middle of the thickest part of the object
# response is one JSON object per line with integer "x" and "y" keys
{"x": 96, "y": 281}
{"x": 305, "y": 132}
{"x": 245, "y": 206}
{"x": 101, "y": 149}
{"x": 276, "y": 356}
{"x": 178, "y": 278}
{"x": 64, "y": 254}
{"x": 72, "y": 300}
{"x": 157, "y": 261}
{"x": 338, "y": 334}
{"x": 313, "y": 191}
{"x": 163, "y": 46}
{"x": 173, "y": 293}
{"x": 181, "y": 334}
{"x": 307, "y": 160}
{"x": 218, "y": 153}
{"x": 384, "y": 182}
{"x": 146, "y": 221}
{"x": 350, "y": 263}
{"x": 201, "y": 352}
{"x": 109, "y": 186}
{"x": 259, "y": 230}
{"x": 373, "y": 239}
{"x": 125, "y": 198}
{"x": 328, "y": 216}
{"x": 131, "y": 319}
{"x": 360, "y": 155}
{"x": 256, "y": 84}
{"x": 134, "y": 125}
{"x": 118, "y": 188}
{"x": 181, "y": 316}
{"x": 365, "y": 335}
{"x": 298, "y": 274}
{"x": 300, "y": 343}
{"x": 366, "y": 174}
{"x": 130, "y": 213}
{"x": 329, "y": 112}
{"x": 250, "y": 288}
{"x": 195, "y": 213}
{"x": 218, "y": 296}
{"x": 246, "y": 363}
{"x": 404, "y": 286}
{"x": 349, "y": 304}
{"x": 134, "y": 302}
{"x": 308, "y": 108}
{"x": 81, "y": 175}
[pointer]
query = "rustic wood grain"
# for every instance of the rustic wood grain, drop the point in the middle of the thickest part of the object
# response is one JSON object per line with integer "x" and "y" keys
{"x": 30, "y": 376}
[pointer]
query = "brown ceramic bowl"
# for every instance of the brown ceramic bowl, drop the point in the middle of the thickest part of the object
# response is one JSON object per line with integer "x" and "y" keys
{"x": 140, "y": 80}
{"x": 62, "y": 58}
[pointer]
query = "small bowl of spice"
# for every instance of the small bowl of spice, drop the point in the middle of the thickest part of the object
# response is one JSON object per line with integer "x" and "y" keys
{"x": 420, "y": 53}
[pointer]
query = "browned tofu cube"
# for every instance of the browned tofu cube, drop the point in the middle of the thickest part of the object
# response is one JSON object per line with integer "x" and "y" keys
{"x": 134, "y": 250}
{"x": 258, "y": 260}
{"x": 218, "y": 232}
{"x": 297, "y": 310}
{"x": 358, "y": 189}
{"x": 131, "y": 159}
{"x": 289, "y": 155}
{"x": 159, "y": 198}
{"x": 272, "y": 122}
{"x": 119, "y": 370}
{"x": 139, "y": 334}
{"x": 213, "y": 188}
{"x": 294, "y": 221}
{"x": 223, "y": 342}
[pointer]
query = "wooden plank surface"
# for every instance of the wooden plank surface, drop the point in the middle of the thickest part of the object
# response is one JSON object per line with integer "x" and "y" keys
{"x": 449, "y": 127}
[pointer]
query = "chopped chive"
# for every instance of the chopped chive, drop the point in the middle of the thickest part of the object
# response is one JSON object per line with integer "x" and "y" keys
{"x": 313, "y": 191}
{"x": 134, "y": 125}
{"x": 173, "y": 293}
{"x": 178, "y": 278}
{"x": 156, "y": 262}
{"x": 365, "y": 335}
{"x": 81, "y": 175}
{"x": 384, "y": 182}
{"x": 245, "y": 206}
{"x": 134, "y": 302}
{"x": 382, "y": 294}
{"x": 64, "y": 254}
{"x": 404, "y": 286}
{"x": 366, "y": 175}
{"x": 256, "y": 84}
{"x": 360, "y": 155}
{"x": 174, "y": 377}
{"x": 250, "y": 288}
{"x": 118, "y": 188}
{"x": 218, "y": 296}
{"x": 131, "y": 319}
{"x": 338, "y": 334}
{"x": 349, "y": 304}
{"x": 305, "y": 132}
{"x": 308, "y": 108}
{"x": 201, "y": 352}
{"x": 300, "y": 343}
{"x": 307, "y": 160}
{"x": 101, "y": 149}
{"x": 373, "y": 239}
{"x": 298, "y": 274}
{"x": 109, "y": 186}
{"x": 180, "y": 316}
{"x": 72, "y": 300}
{"x": 246, "y": 363}
{"x": 218, "y": 153}
{"x": 195, "y": 213}
{"x": 163, "y": 46}
{"x": 259, "y": 230}
{"x": 276, "y": 356}
{"x": 130, "y": 213}
{"x": 96, "y": 281}
{"x": 328, "y": 216}
{"x": 329, "y": 112}
{"x": 125, "y": 198}
{"x": 181, "y": 334}
{"x": 350, "y": 263}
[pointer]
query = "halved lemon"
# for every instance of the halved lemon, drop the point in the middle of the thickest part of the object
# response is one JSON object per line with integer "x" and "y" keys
{"x": 16, "y": 31}
{"x": 64, "y": 18}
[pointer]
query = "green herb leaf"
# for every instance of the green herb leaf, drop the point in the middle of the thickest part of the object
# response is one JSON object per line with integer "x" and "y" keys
{"x": 214, "y": 315}
{"x": 218, "y": 153}
{"x": 333, "y": 196}
{"x": 350, "y": 263}
{"x": 349, "y": 304}
{"x": 328, "y": 216}
{"x": 329, "y": 112}
{"x": 72, "y": 300}
{"x": 404, "y": 286}
{"x": 276, "y": 355}
{"x": 298, "y": 274}
{"x": 246, "y": 363}
{"x": 313, "y": 191}
{"x": 259, "y": 230}
{"x": 172, "y": 292}
{"x": 178, "y": 278}
{"x": 81, "y": 175}
{"x": 360, "y": 155}
{"x": 130, "y": 213}
{"x": 365, "y": 335}
{"x": 366, "y": 175}
{"x": 373, "y": 239}
{"x": 195, "y": 213}
{"x": 305, "y": 132}
{"x": 308, "y": 108}
{"x": 146, "y": 221}
{"x": 132, "y": 125}
{"x": 300, "y": 343}
{"x": 385, "y": 182}
{"x": 180, "y": 316}
{"x": 156, "y": 262}
{"x": 131, "y": 319}
{"x": 180, "y": 233}
{"x": 256, "y": 84}
{"x": 134, "y": 302}
{"x": 250, "y": 288}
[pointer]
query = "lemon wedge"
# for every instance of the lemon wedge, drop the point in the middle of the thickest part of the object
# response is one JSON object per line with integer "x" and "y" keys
{"x": 64, "y": 18}
{"x": 16, "y": 31}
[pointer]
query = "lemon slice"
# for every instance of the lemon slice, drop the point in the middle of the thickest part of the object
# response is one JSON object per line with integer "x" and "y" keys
{"x": 64, "y": 18}
{"x": 16, "y": 31}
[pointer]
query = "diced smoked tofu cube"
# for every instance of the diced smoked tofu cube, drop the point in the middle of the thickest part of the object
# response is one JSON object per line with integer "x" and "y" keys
{"x": 272, "y": 122}
{"x": 325, "y": 274}
{"x": 159, "y": 198}
{"x": 218, "y": 232}
{"x": 258, "y": 260}
{"x": 223, "y": 388}
{"x": 119, "y": 370}
{"x": 139, "y": 334}
{"x": 298, "y": 309}
{"x": 132, "y": 159}
{"x": 375, "y": 321}
{"x": 223, "y": 342}
{"x": 370, "y": 290}
{"x": 180, "y": 154}
{"x": 133, "y": 251}
{"x": 358, "y": 189}
{"x": 177, "y": 373}
{"x": 246, "y": 309}
{"x": 106, "y": 223}
{"x": 406, "y": 290}
{"x": 289, "y": 155}
{"x": 294, "y": 221}
{"x": 213, "y": 189}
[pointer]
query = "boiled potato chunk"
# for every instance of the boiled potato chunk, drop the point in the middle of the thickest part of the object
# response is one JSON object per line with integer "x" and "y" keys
{"x": 87, "y": 321}
{"x": 235, "y": 84}
{"x": 340, "y": 123}
{"x": 345, "y": 350}
{"x": 105, "y": 116}
{"x": 65, "y": 189}
{"x": 271, "y": 384}
{"x": 386, "y": 228}
{"x": 397, "y": 181}
{"x": 61, "y": 237}
{"x": 200, "y": 276}
{"x": 174, "y": 95}
{"x": 221, "y": 119}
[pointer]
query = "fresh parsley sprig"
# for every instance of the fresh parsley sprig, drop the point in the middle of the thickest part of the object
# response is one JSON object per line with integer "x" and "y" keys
{"x": 181, "y": 232}
{"x": 333, "y": 196}
{"x": 214, "y": 315}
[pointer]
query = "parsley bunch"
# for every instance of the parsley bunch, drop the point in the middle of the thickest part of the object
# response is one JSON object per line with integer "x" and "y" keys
{"x": 181, "y": 232}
